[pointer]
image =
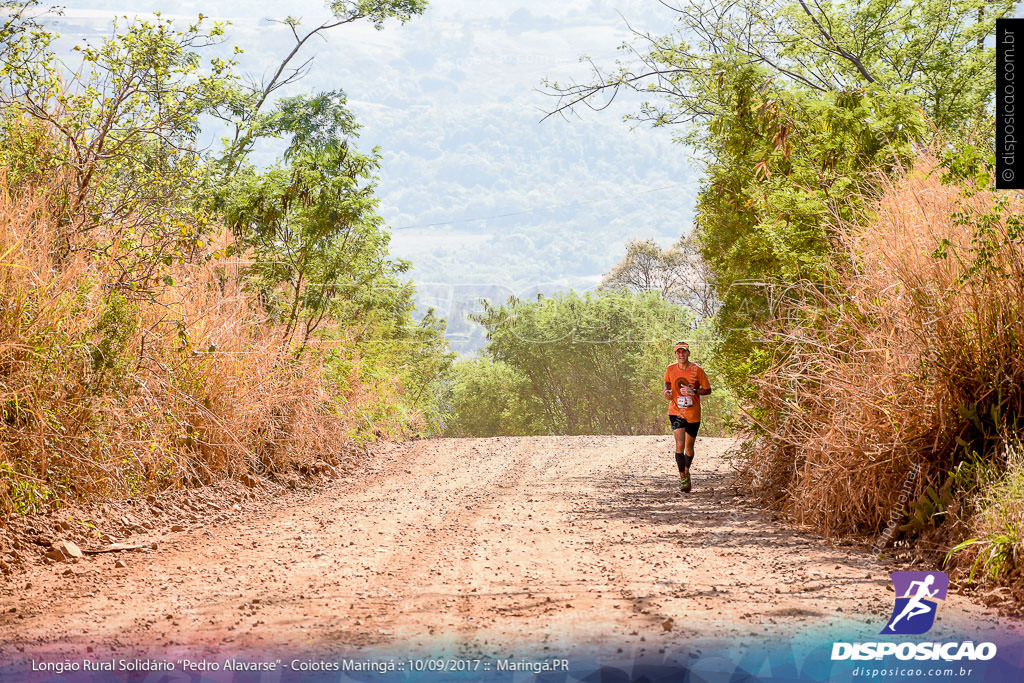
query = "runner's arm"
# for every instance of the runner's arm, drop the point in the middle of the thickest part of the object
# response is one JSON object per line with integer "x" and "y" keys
{"x": 703, "y": 387}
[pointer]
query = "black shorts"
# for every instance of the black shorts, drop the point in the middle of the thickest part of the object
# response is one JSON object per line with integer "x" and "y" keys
{"x": 681, "y": 423}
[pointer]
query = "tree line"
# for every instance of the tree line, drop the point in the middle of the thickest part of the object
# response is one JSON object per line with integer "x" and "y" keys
{"x": 576, "y": 364}
{"x": 174, "y": 312}
{"x": 861, "y": 264}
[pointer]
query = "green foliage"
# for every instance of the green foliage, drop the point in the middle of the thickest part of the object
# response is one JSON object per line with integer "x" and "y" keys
{"x": 22, "y": 493}
{"x": 404, "y": 362}
{"x": 786, "y": 168}
{"x": 321, "y": 266}
{"x": 423, "y": 362}
{"x": 112, "y": 198}
{"x": 377, "y": 11}
{"x": 571, "y": 364}
{"x": 122, "y": 127}
{"x": 931, "y": 50}
{"x": 999, "y": 497}
{"x": 997, "y": 552}
{"x": 930, "y": 509}
{"x": 968, "y": 165}
{"x": 113, "y": 330}
{"x": 316, "y": 123}
{"x": 320, "y": 248}
{"x": 127, "y": 120}
{"x": 490, "y": 398}
{"x": 246, "y": 115}
{"x": 795, "y": 107}
{"x": 23, "y": 41}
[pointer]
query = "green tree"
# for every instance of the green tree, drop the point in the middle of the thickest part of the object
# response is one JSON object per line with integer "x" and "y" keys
{"x": 406, "y": 362}
{"x": 931, "y": 50}
{"x": 787, "y": 168}
{"x": 490, "y": 398}
{"x": 126, "y": 121}
{"x": 794, "y": 107}
{"x": 572, "y": 364}
{"x": 23, "y": 42}
{"x": 121, "y": 129}
{"x": 319, "y": 246}
{"x": 247, "y": 120}
{"x": 320, "y": 262}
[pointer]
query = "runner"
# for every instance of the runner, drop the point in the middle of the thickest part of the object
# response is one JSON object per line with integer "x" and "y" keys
{"x": 685, "y": 383}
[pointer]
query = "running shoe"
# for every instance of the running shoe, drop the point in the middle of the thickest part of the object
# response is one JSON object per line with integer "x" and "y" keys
{"x": 684, "y": 483}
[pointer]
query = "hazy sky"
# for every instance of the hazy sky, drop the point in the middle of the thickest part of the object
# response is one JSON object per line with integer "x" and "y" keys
{"x": 452, "y": 100}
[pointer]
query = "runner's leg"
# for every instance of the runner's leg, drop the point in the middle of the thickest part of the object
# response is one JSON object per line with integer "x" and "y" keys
{"x": 688, "y": 449}
{"x": 679, "y": 436}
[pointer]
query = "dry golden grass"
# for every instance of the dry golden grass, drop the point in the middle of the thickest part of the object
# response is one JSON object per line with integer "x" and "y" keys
{"x": 881, "y": 369}
{"x": 105, "y": 393}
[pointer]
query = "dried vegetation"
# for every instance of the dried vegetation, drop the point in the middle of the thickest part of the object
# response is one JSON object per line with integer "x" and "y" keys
{"x": 106, "y": 393}
{"x": 899, "y": 384}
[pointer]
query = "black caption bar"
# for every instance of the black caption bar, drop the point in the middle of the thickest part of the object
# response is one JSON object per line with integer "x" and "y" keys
{"x": 1009, "y": 130}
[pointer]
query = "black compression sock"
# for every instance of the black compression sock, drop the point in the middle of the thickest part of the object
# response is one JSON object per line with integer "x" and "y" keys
{"x": 680, "y": 462}
{"x": 689, "y": 461}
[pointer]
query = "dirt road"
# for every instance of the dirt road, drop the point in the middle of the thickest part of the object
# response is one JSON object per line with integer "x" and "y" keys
{"x": 472, "y": 547}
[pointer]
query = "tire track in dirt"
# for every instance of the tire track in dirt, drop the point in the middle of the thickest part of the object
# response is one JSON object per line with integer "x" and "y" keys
{"x": 473, "y": 547}
{"x": 427, "y": 577}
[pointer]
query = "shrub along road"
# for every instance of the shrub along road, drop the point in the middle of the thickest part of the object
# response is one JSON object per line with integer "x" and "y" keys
{"x": 472, "y": 547}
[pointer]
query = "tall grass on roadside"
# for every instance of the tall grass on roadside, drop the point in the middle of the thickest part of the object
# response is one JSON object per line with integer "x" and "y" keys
{"x": 106, "y": 393}
{"x": 996, "y": 518}
{"x": 911, "y": 356}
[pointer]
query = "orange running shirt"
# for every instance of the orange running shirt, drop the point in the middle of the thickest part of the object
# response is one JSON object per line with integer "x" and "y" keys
{"x": 686, "y": 407}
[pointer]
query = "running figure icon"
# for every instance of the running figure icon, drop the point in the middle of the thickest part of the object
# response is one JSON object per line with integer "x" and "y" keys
{"x": 916, "y": 603}
{"x": 915, "y": 606}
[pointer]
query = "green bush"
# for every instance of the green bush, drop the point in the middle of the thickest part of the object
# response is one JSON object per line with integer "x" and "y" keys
{"x": 490, "y": 398}
{"x": 572, "y": 364}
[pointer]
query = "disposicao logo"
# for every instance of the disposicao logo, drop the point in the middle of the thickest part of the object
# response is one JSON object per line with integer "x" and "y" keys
{"x": 917, "y": 600}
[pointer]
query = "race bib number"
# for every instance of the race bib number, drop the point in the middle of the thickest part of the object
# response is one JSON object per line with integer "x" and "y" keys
{"x": 685, "y": 401}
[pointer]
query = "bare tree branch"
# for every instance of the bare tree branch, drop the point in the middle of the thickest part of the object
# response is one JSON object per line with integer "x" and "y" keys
{"x": 838, "y": 48}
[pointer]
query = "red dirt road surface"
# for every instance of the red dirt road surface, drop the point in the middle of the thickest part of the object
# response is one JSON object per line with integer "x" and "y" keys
{"x": 472, "y": 547}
